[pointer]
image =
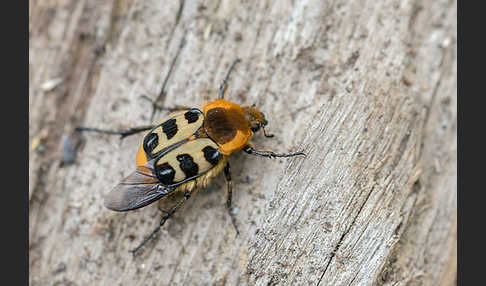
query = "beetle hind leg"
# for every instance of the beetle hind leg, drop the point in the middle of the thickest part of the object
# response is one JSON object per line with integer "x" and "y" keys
{"x": 165, "y": 217}
{"x": 122, "y": 133}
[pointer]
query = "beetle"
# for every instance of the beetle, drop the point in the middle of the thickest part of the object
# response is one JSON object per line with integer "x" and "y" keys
{"x": 184, "y": 152}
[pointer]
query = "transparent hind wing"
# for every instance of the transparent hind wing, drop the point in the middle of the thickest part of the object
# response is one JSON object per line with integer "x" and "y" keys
{"x": 137, "y": 190}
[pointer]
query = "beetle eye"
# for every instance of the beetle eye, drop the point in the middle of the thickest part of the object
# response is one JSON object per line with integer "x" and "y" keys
{"x": 255, "y": 127}
{"x": 150, "y": 142}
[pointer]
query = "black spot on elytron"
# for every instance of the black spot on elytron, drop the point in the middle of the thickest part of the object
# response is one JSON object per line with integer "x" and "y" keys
{"x": 150, "y": 142}
{"x": 192, "y": 115}
{"x": 169, "y": 127}
{"x": 187, "y": 165}
{"x": 165, "y": 173}
{"x": 212, "y": 155}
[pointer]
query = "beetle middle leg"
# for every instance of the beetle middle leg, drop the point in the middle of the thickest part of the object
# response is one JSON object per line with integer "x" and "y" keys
{"x": 227, "y": 174}
{"x": 165, "y": 217}
{"x": 160, "y": 107}
{"x": 156, "y": 107}
{"x": 224, "y": 85}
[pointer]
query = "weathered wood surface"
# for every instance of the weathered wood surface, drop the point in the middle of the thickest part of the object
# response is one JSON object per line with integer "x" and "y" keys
{"x": 366, "y": 88}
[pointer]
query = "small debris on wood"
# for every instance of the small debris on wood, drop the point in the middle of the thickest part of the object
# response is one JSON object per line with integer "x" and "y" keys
{"x": 51, "y": 84}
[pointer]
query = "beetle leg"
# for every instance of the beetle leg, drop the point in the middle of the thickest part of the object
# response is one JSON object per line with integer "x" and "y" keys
{"x": 123, "y": 133}
{"x": 155, "y": 107}
{"x": 224, "y": 85}
{"x": 269, "y": 154}
{"x": 165, "y": 217}
{"x": 166, "y": 80}
{"x": 160, "y": 107}
{"x": 227, "y": 174}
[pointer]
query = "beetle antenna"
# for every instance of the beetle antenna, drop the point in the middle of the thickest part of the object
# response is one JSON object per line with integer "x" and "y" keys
{"x": 265, "y": 133}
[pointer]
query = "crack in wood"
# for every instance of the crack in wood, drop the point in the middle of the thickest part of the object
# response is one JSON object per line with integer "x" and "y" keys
{"x": 336, "y": 248}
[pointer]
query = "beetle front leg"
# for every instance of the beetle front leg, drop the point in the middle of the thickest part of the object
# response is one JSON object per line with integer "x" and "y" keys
{"x": 227, "y": 175}
{"x": 269, "y": 154}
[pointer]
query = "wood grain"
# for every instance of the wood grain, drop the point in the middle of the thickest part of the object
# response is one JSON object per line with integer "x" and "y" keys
{"x": 367, "y": 89}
